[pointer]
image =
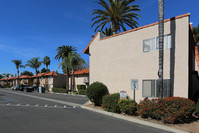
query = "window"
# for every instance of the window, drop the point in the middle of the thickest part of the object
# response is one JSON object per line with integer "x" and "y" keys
{"x": 149, "y": 45}
{"x": 153, "y": 43}
{"x": 42, "y": 79}
{"x": 150, "y": 88}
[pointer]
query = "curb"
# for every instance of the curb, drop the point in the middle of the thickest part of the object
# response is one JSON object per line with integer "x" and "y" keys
{"x": 141, "y": 122}
{"x": 66, "y": 94}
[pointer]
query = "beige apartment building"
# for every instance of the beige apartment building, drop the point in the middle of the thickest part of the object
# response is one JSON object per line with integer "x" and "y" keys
{"x": 47, "y": 80}
{"x": 130, "y": 60}
{"x": 50, "y": 80}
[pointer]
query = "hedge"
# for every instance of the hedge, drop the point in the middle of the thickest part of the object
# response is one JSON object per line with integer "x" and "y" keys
{"x": 197, "y": 107}
{"x": 60, "y": 90}
{"x": 127, "y": 106}
{"x": 82, "y": 87}
{"x": 169, "y": 110}
{"x": 110, "y": 102}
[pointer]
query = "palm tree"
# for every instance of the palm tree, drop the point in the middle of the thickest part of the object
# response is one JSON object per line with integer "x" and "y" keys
{"x": 73, "y": 62}
{"x": 161, "y": 47}
{"x": 17, "y": 64}
{"x": 118, "y": 13}
{"x": 46, "y": 61}
{"x": 6, "y": 75}
{"x": 63, "y": 52}
{"x": 107, "y": 32}
{"x": 34, "y": 63}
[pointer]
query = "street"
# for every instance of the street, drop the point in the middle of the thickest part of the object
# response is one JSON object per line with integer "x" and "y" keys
{"x": 22, "y": 112}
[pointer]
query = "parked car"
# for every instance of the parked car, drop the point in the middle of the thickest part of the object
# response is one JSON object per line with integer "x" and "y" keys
{"x": 29, "y": 88}
{"x": 16, "y": 87}
{"x": 21, "y": 87}
{"x": 1, "y": 86}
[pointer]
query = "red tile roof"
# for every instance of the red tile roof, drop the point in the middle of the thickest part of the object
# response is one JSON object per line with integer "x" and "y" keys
{"x": 52, "y": 73}
{"x": 81, "y": 71}
{"x": 25, "y": 77}
{"x": 86, "y": 50}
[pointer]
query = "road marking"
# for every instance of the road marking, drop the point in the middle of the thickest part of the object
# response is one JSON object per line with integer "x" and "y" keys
{"x": 18, "y": 104}
{"x": 37, "y": 106}
{"x": 46, "y": 99}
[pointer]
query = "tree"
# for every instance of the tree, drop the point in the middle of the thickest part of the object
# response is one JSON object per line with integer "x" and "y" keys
{"x": 107, "y": 32}
{"x": 196, "y": 33}
{"x": 116, "y": 12}
{"x": 27, "y": 73}
{"x": 17, "y": 64}
{"x": 43, "y": 70}
{"x": 46, "y": 61}
{"x": 161, "y": 47}
{"x": 63, "y": 52}
{"x": 34, "y": 63}
{"x": 73, "y": 62}
{"x": 1, "y": 76}
{"x": 6, "y": 75}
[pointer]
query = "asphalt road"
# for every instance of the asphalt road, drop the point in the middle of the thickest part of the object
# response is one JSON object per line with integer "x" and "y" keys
{"x": 22, "y": 114}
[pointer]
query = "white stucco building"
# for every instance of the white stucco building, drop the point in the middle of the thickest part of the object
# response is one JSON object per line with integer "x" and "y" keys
{"x": 132, "y": 55}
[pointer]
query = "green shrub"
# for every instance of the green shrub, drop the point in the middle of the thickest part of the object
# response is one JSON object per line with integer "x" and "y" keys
{"x": 82, "y": 91}
{"x": 7, "y": 85}
{"x": 82, "y": 87}
{"x": 95, "y": 92}
{"x": 169, "y": 110}
{"x": 60, "y": 90}
{"x": 197, "y": 107}
{"x": 127, "y": 106}
{"x": 110, "y": 102}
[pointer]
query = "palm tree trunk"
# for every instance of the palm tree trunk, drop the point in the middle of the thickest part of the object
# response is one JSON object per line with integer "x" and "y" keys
{"x": 161, "y": 47}
{"x": 67, "y": 79}
{"x": 113, "y": 28}
{"x": 18, "y": 77}
{"x": 73, "y": 80}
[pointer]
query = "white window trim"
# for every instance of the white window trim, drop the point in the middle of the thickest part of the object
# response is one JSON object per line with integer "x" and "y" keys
{"x": 156, "y": 48}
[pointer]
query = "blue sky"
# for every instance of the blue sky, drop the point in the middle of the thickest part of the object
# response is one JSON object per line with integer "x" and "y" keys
{"x": 35, "y": 28}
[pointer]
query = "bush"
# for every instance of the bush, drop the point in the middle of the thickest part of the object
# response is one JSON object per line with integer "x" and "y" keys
{"x": 95, "y": 92}
{"x": 7, "y": 85}
{"x": 127, "y": 106}
{"x": 169, "y": 110}
{"x": 110, "y": 102}
{"x": 82, "y": 87}
{"x": 82, "y": 91}
{"x": 197, "y": 107}
{"x": 60, "y": 90}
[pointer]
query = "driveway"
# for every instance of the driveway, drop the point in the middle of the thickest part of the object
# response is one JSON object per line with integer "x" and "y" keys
{"x": 27, "y": 114}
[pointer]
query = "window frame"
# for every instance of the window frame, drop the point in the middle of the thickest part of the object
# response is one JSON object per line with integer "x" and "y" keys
{"x": 156, "y": 45}
{"x": 156, "y": 87}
